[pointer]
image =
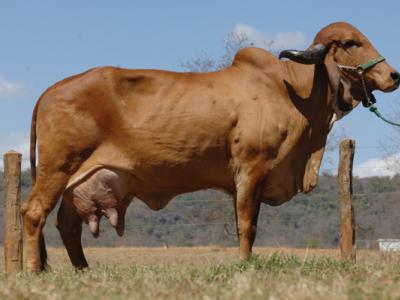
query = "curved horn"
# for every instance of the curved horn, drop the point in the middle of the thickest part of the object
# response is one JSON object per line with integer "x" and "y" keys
{"x": 310, "y": 56}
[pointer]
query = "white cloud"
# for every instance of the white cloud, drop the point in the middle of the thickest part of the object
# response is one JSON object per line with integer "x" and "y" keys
{"x": 281, "y": 40}
{"x": 18, "y": 142}
{"x": 9, "y": 89}
{"x": 387, "y": 166}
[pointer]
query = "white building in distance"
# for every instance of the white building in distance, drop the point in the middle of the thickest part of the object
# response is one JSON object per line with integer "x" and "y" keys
{"x": 389, "y": 244}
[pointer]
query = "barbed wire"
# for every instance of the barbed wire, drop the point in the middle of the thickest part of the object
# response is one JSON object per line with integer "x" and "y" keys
{"x": 144, "y": 225}
{"x": 232, "y": 222}
{"x": 377, "y": 147}
{"x": 364, "y": 168}
{"x": 362, "y": 147}
{"x": 316, "y": 195}
{"x": 225, "y": 222}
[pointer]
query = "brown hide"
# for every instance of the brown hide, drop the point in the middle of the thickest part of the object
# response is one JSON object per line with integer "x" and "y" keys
{"x": 180, "y": 132}
{"x": 256, "y": 129}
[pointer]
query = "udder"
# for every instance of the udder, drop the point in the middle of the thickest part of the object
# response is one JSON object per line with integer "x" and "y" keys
{"x": 104, "y": 193}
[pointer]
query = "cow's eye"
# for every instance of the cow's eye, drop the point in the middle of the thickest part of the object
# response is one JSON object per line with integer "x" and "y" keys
{"x": 351, "y": 44}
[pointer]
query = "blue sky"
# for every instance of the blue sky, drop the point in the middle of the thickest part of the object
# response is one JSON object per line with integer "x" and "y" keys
{"x": 45, "y": 41}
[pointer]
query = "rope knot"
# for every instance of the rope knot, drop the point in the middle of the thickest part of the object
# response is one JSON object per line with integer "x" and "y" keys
{"x": 373, "y": 108}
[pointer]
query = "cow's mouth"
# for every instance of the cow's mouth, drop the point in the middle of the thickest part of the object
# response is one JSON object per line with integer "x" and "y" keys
{"x": 368, "y": 100}
{"x": 393, "y": 87}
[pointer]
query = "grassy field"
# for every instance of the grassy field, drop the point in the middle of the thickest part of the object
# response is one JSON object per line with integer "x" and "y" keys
{"x": 210, "y": 273}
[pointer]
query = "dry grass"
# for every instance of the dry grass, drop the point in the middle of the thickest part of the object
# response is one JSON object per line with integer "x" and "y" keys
{"x": 210, "y": 273}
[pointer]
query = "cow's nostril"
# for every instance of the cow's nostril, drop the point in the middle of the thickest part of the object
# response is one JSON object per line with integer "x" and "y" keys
{"x": 395, "y": 76}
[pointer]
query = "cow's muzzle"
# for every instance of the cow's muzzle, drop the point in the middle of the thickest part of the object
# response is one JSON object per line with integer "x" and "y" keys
{"x": 396, "y": 78}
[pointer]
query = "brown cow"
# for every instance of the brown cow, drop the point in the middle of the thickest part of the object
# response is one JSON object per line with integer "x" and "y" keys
{"x": 256, "y": 129}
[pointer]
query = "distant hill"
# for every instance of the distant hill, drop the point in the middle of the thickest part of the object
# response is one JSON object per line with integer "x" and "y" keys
{"x": 206, "y": 218}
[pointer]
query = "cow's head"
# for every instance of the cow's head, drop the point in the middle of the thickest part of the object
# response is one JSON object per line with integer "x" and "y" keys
{"x": 350, "y": 61}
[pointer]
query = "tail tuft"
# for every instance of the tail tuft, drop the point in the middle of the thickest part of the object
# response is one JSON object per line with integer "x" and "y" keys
{"x": 33, "y": 144}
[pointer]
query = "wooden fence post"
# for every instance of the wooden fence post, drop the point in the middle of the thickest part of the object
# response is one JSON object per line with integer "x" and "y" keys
{"x": 11, "y": 213}
{"x": 347, "y": 218}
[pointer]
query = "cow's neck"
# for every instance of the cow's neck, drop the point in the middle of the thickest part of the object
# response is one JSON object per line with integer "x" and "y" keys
{"x": 309, "y": 90}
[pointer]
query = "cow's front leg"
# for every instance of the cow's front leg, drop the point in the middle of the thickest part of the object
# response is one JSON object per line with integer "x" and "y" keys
{"x": 249, "y": 187}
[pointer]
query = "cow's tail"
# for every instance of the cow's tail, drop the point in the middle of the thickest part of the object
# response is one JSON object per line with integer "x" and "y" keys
{"x": 33, "y": 143}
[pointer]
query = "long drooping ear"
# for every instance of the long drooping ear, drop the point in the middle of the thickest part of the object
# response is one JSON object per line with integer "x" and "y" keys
{"x": 324, "y": 53}
{"x": 340, "y": 85}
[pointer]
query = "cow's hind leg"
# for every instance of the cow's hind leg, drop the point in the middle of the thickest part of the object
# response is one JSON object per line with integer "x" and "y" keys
{"x": 69, "y": 225}
{"x": 43, "y": 252}
{"x": 35, "y": 210}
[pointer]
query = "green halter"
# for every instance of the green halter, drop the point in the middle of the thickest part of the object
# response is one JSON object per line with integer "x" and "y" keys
{"x": 370, "y": 64}
{"x": 361, "y": 69}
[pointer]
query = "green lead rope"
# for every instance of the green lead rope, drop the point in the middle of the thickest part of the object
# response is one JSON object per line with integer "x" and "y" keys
{"x": 360, "y": 70}
{"x": 375, "y": 110}
{"x": 372, "y": 108}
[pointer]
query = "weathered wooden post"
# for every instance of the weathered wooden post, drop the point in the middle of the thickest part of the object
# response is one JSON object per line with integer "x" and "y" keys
{"x": 11, "y": 212}
{"x": 347, "y": 218}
